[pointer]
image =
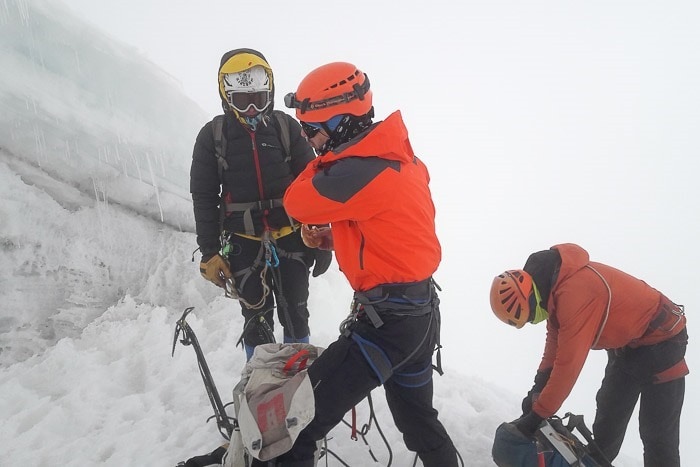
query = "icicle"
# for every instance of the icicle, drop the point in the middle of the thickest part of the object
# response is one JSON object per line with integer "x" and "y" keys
{"x": 77, "y": 60}
{"x": 23, "y": 7}
{"x": 67, "y": 150}
{"x": 40, "y": 143}
{"x": 136, "y": 163}
{"x": 161, "y": 162}
{"x": 155, "y": 186}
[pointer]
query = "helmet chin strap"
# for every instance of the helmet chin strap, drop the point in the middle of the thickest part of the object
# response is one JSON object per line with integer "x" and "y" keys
{"x": 253, "y": 122}
{"x": 250, "y": 122}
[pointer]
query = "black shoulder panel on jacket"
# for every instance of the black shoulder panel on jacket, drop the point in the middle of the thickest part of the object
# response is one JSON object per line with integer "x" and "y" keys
{"x": 346, "y": 177}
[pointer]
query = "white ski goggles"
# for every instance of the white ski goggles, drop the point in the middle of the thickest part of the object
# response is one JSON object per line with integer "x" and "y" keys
{"x": 242, "y": 101}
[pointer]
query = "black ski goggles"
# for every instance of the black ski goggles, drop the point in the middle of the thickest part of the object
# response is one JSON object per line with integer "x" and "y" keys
{"x": 358, "y": 92}
{"x": 311, "y": 129}
{"x": 242, "y": 101}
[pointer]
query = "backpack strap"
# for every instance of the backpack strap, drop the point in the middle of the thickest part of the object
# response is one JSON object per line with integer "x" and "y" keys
{"x": 219, "y": 143}
{"x": 217, "y": 128}
{"x": 283, "y": 127}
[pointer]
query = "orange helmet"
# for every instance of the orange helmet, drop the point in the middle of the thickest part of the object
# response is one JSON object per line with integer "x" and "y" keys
{"x": 510, "y": 297}
{"x": 338, "y": 88}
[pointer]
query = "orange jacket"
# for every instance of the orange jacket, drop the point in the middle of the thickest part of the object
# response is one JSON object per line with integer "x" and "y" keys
{"x": 578, "y": 320}
{"x": 374, "y": 193}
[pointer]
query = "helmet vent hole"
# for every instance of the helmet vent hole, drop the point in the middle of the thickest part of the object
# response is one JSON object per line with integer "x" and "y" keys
{"x": 517, "y": 313}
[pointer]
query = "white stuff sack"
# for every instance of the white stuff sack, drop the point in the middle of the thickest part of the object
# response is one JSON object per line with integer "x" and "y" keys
{"x": 274, "y": 401}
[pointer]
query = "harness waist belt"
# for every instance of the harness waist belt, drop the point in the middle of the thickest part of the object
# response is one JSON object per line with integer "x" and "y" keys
{"x": 248, "y": 208}
{"x": 668, "y": 320}
{"x": 283, "y": 232}
{"x": 411, "y": 290}
{"x": 255, "y": 205}
{"x": 409, "y": 299}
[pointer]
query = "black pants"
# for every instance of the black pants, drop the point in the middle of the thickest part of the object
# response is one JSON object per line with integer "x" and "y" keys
{"x": 342, "y": 377}
{"x": 629, "y": 378}
{"x": 288, "y": 283}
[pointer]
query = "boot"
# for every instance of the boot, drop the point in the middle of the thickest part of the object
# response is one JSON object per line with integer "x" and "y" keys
{"x": 445, "y": 456}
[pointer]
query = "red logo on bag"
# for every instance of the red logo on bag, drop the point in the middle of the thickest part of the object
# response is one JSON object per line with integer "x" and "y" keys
{"x": 271, "y": 413}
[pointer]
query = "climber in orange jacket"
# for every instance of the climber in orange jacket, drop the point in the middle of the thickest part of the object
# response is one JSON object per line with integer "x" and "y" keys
{"x": 367, "y": 197}
{"x": 589, "y": 305}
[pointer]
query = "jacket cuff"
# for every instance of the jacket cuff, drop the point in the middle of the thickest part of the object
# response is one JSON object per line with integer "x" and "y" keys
{"x": 206, "y": 258}
{"x": 209, "y": 250}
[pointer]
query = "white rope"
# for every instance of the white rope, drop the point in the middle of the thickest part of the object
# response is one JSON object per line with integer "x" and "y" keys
{"x": 231, "y": 292}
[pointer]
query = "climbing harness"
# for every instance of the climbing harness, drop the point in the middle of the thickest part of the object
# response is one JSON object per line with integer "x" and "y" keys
{"x": 268, "y": 261}
{"x": 416, "y": 299}
{"x": 267, "y": 257}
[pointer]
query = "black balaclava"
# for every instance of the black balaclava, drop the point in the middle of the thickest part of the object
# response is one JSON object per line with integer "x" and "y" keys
{"x": 349, "y": 127}
{"x": 543, "y": 266}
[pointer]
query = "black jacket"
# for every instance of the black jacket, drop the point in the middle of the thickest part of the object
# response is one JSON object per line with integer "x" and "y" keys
{"x": 258, "y": 169}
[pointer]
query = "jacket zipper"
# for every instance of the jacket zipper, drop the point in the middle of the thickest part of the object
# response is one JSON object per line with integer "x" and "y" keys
{"x": 258, "y": 172}
{"x": 362, "y": 250}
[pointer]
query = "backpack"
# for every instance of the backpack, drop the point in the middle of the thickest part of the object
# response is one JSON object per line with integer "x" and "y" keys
{"x": 273, "y": 401}
{"x": 554, "y": 445}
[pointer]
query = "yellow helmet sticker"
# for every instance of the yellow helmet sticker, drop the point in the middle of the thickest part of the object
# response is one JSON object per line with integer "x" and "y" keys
{"x": 241, "y": 62}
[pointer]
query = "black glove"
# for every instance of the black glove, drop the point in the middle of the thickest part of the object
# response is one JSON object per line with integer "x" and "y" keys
{"x": 528, "y": 424}
{"x": 322, "y": 260}
{"x": 541, "y": 379}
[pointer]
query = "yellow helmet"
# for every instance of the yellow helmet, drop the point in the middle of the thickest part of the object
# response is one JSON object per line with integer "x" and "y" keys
{"x": 245, "y": 81}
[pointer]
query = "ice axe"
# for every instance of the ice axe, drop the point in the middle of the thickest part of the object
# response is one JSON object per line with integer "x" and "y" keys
{"x": 225, "y": 423}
